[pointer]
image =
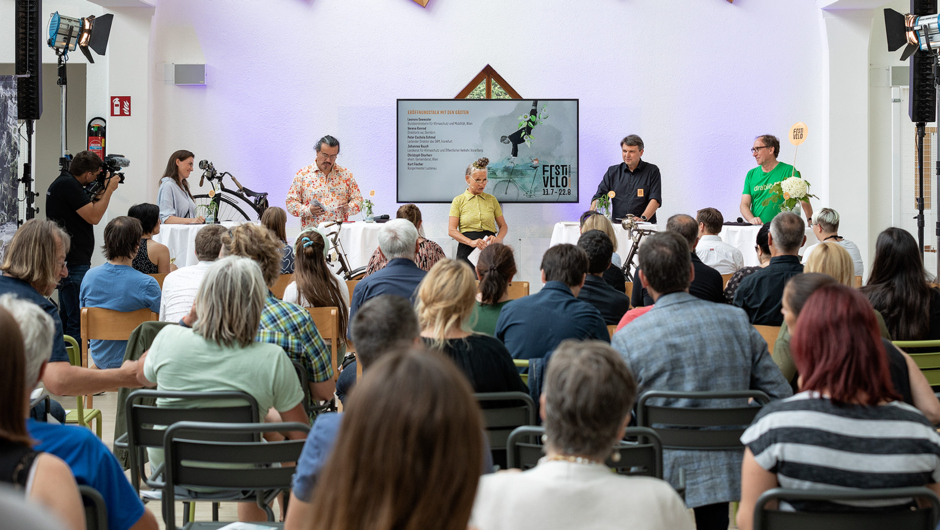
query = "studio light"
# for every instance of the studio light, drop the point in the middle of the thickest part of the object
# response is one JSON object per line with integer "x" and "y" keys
{"x": 67, "y": 33}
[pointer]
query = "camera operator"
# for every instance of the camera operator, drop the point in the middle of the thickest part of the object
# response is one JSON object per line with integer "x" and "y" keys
{"x": 69, "y": 205}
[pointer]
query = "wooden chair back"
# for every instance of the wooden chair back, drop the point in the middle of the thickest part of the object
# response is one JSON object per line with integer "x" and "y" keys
{"x": 770, "y": 334}
{"x": 628, "y": 286}
{"x": 159, "y": 277}
{"x": 351, "y": 285}
{"x": 327, "y": 321}
{"x": 107, "y": 324}
{"x": 725, "y": 278}
{"x": 611, "y": 330}
{"x": 281, "y": 284}
{"x": 517, "y": 290}
{"x": 858, "y": 282}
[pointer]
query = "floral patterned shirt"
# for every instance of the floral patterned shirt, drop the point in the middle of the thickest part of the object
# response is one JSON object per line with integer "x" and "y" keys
{"x": 333, "y": 191}
{"x": 428, "y": 254}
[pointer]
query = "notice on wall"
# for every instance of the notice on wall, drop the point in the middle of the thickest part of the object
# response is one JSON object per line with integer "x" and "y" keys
{"x": 532, "y": 147}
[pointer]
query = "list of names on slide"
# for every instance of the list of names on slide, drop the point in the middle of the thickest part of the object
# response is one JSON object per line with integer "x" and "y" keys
{"x": 428, "y": 138}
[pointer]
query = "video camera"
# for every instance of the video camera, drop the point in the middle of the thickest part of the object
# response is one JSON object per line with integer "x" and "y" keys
{"x": 112, "y": 164}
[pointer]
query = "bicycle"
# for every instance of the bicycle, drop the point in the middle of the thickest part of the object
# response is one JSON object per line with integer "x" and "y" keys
{"x": 227, "y": 208}
{"x": 339, "y": 254}
{"x": 506, "y": 187}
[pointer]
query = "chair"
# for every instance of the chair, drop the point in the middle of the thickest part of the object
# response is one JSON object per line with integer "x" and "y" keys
{"x": 628, "y": 286}
{"x": 81, "y": 415}
{"x": 159, "y": 277}
{"x": 305, "y": 386}
{"x": 725, "y": 278}
{"x": 502, "y": 413}
{"x": 107, "y": 324}
{"x": 522, "y": 363}
{"x": 611, "y": 330}
{"x": 696, "y": 428}
{"x": 351, "y": 285}
{"x": 924, "y": 518}
{"x": 517, "y": 290}
{"x": 858, "y": 282}
{"x": 770, "y": 334}
{"x": 192, "y": 447}
{"x": 281, "y": 284}
{"x": 927, "y": 357}
{"x": 96, "y": 513}
{"x": 327, "y": 321}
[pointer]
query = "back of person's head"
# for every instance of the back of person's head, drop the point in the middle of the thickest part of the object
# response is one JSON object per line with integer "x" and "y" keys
{"x": 591, "y": 220}
{"x": 898, "y": 287}
{"x": 229, "y": 302}
{"x": 685, "y": 226}
{"x": 565, "y": 263}
{"x": 275, "y": 220}
{"x": 383, "y": 324}
{"x": 148, "y": 215}
{"x": 831, "y": 258}
{"x": 84, "y": 162}
{"x": 787, "y": 232}
{"x": 258, "y": 243}
{"x": 37, "y": 329}
{"x": 496, "y": 266}
{"x": 209, "y": 242}
{"x": 800, "y": 287}
{"x": 122, "y": 237}
{"x": 828, "y": 220}
{"x": 837, "y": 348}
{"x": 31, "y": 254}
{"x": 445, "y": 298}
{"x": 599, "y": 250}
{"x": 397, "y": 239}
{"x": 763, "y": 242}
{"x": 409, "y": 452}
{"x": 712, "y": 219}
{"x": 315, "y": 281}
{"x": 666, "y": 262}
{"x": 14, "y": 388}
{"x": 589, "y": 393}
{"x": 410, "y": 212}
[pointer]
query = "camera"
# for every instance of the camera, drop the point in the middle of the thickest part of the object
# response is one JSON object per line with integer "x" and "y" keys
{"x": 112, "y": 164}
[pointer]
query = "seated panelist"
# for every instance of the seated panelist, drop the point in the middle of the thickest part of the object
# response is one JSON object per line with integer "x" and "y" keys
{"x": 176, "y": 201}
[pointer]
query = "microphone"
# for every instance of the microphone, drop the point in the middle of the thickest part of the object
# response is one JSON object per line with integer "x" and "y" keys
{"x": 740, "y": 219}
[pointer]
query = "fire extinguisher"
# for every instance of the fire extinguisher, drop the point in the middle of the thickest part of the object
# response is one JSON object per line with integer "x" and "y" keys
{"x": 96, "y": 136}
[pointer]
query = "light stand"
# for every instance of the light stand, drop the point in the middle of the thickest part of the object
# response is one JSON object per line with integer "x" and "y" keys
{"x": 63, "y": 89}
{"x": 921, "y": 131}
{"x": 27, "y": 178}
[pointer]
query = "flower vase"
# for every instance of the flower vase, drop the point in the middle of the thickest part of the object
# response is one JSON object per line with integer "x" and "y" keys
{"x": 210, "y": 219}
{"x": 367, "y": 216}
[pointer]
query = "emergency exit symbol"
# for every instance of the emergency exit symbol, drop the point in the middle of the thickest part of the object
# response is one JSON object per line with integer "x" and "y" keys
{"x": 120, "y": 105}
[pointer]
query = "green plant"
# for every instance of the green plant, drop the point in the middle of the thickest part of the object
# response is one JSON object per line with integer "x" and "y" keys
{"x": 366, "y": 206}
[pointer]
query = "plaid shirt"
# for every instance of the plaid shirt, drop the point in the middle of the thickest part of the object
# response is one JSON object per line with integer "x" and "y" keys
{"x": 291, "y": 327}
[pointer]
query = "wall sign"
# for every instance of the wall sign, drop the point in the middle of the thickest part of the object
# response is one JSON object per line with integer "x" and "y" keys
{"x": 120, "y": 105}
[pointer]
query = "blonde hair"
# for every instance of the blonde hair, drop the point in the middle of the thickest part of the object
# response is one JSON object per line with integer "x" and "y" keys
{"x": 599, "y": 222}
{"x": 229, "y": 302}
{"x": 31, "y": 255}
{"x": 445, "y": 299}
{"x": 478, "y": 165}
{"x": 258, "y": 243}
{"x": 832, "y": 259}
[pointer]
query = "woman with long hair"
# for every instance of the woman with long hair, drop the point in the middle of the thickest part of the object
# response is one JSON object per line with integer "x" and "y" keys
{"x": 176, "y": 202}
{"x": 314, "y": 284}
{"x": 152, "y": 257}
{"x": 275, "y": 220}
{"x": 846, "y": 383}
{"x": 428, "y": 252}
{"x": 494, "y": 270}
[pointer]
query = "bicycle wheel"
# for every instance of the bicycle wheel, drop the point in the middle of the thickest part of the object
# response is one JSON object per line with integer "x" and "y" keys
{"x": 506, "y": 190}
{"x": 229, "y": 209}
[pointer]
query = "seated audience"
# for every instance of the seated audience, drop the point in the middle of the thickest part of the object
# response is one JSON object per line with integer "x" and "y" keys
{"x": 763, "y": 258}
{"x": 610, "y": 302}
{"x": 536, "y": 324}
{"x": 898, "y": 288}
{"x": 91, "y": 461}
{"x": 845, "y": 383}
{"x": 408, "y": 455}
{"x": 495, "y": 269}
{"x": 117, "y": 286}
{"x": 759, "y": 294}
{"x": 689, "y": 345}
{"x": 275, "y": 220}
{"x": 707, "y": 283}
{"x": 446, "y": 298}
{"x": 592, "y": 220}
{"x": 428, "y": 252}
{"x": 585, "y": 407}
{"x": 724, "y": 258}
{"x": 825, "y": 229}
{"x": 220, "y": 353}
{"x": 152, "y": 257}
{"x": 282, "y": 323}
{"x": 42, "y": 477}
{"x": 33, "y": 264}
{"x": 180, "y": 286}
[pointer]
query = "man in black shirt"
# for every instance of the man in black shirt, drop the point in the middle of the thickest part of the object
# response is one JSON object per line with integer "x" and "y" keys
{"x": 611, "y": 303}
{"x": 635, "y": 183}
{"x": 69, "y": 205}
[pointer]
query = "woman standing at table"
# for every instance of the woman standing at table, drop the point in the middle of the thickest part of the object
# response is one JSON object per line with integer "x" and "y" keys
{"x": 474, "y": 215}
{"x": 176, "y": 202}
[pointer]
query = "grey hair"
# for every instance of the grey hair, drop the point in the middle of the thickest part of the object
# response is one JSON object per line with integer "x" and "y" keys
{"x": 229, "y": 302}
{"x": 589, "y": 392}
{"x": 327, "y": 140}
{"x": 397, "y": 239}
{"x": 787, "y": 230}
{"x": 633, "y": 141}
{"x": 828, "y": 220}
{"x": 37, "y": 328}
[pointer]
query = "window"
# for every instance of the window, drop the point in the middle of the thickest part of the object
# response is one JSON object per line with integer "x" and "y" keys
{"x": 488, "y": 85}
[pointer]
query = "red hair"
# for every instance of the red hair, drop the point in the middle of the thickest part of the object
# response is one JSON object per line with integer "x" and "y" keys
{"x": 837, "y": 348}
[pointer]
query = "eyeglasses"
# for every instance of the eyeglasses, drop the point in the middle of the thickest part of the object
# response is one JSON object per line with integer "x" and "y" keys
{"x": 328, "y": 157}
{"x": 754, "y": 150}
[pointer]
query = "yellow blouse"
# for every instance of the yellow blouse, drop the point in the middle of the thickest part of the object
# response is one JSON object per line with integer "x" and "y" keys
{"x": 477, "y": 213}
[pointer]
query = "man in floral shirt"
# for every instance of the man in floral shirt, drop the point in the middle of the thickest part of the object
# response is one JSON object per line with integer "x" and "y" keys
{"x": 325, "y": 182}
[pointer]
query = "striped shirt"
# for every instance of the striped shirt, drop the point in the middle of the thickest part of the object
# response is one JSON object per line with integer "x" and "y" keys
{"x": 812, "y": 443}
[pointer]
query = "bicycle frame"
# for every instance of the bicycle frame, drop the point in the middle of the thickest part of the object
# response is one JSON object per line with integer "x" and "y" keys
{"x": 344, "y": 269}
{"x": 258, "y": 201}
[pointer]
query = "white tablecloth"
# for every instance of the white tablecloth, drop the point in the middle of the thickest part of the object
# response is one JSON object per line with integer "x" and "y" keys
{"x": 570, "y": 231}
{"x": 181, "y": 240}
{"x": 359, "y": 240}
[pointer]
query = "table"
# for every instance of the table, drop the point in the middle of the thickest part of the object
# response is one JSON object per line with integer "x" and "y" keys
{"x": 181, "y": 240}
{"x": 569, "y": 232}
{"x": 359, "y": 240}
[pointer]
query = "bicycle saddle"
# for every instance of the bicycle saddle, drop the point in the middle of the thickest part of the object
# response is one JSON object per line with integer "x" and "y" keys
{"x": 250, "y": 193}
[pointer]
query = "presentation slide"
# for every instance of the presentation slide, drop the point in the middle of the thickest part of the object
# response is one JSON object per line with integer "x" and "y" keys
{"x": 532, "y": 146}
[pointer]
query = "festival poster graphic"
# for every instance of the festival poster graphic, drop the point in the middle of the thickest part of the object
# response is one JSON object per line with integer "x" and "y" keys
{"x": 9, "y": 152}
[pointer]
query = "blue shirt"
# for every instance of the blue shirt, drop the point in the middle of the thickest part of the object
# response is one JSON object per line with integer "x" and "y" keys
{"x": 21, "y": 289}
{"x": 316, "y": 450}
{"x": 120, "y": 288}
{"x": 534, "y": 325}
{"x": 400, "y": 277}
{"x": 93, "y": 465}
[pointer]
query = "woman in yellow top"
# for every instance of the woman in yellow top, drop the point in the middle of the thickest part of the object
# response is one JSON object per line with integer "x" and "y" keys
{"x": 474, "y": 215}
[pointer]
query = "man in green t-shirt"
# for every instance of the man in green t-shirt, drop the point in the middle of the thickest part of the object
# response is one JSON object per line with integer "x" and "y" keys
{"x": 759, "y": 180}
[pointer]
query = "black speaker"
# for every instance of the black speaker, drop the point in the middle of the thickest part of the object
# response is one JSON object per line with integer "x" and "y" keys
{"x": 923, "y": 95}
{"x": 29, "y": 59}
{"x": 923, "y": 7}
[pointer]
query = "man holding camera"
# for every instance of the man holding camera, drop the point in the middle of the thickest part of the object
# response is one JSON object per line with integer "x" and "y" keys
{"x": 69, "y": 205}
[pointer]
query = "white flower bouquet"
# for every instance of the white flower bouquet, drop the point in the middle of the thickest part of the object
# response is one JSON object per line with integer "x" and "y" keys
{"x": 788, "y": 193}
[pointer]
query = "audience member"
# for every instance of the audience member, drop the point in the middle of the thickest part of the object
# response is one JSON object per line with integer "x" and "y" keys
{"x": 825, "y": 229}
{"x": 428, "y": 252}
{"x": 282, "y": 323}
{"x": 43, "y": 477}
{"x": 592, "y": 220}
{"x": 180, "y": 286}
{"x": 495, "y": 269}
{"x": 275, "y": 220}
{"x": 90, "y": 460}
{"x": 724, "y": 258}
{"x": 842, "y": 428}
{"x": 762, "y": 248}
{"x": 707, "y": 283}
{"x": 759, "y": 294}
{"x": 152, "y": 257}
{"x": 536, "y": 324}
{"x": 220, "y": 353}
{"x": 690, "y": 345}
{"x": 611, "y": 303}
{"x": 117, "y": 286}
{"x": 897, "y": 287}
{"x": 409, "y": 455}
{"x": 585, "y": 407}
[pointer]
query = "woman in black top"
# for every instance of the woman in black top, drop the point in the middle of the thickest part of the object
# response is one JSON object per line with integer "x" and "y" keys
{"x": 152, "y": 257}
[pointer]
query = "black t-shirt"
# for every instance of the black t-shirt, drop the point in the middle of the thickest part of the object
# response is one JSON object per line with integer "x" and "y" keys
{"x": 63, "y": 199}
{"x": 486, "y": 362}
